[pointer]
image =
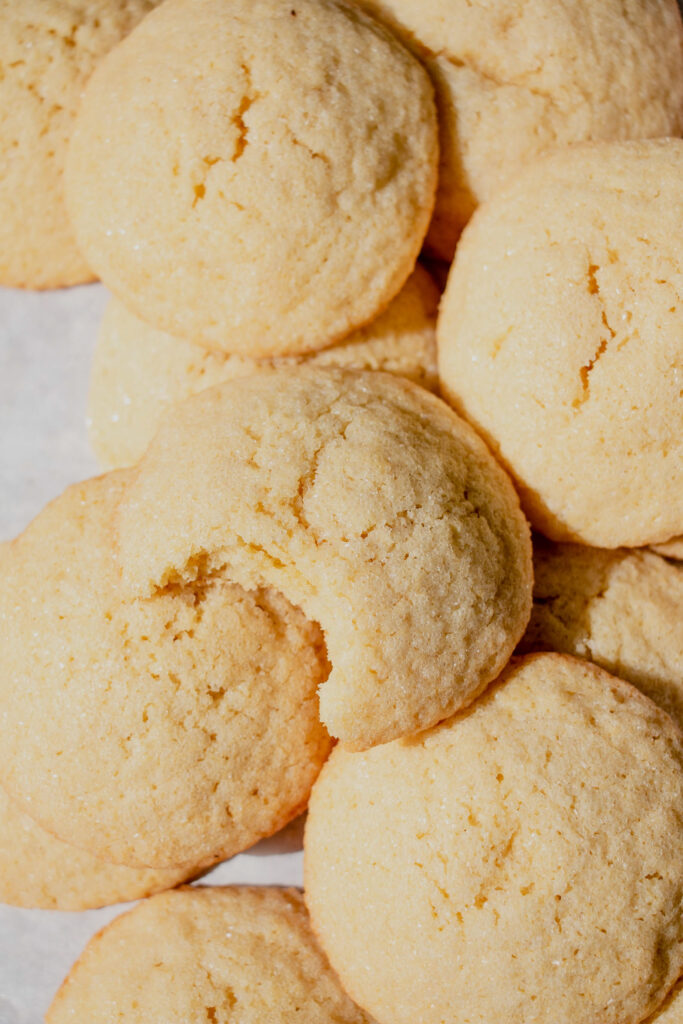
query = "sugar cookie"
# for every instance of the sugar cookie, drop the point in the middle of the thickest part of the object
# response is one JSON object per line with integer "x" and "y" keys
{"x": 620, "y": 609}
{"x": 560, "y": 337}
{"x": 256, "y": 175}
{"x": 138, "y": 372}
{"x": 38, "y": 870}
{"x": 515, "y": 79}
{"x": 369, "y": 504}
{"x": 522, "y": 861}
{"x": 221, "y": 955}
{"x": 48, "y": 49}
{"x": 174, "y": 731}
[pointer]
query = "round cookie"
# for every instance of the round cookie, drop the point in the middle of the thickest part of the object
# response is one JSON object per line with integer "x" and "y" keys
{"x": 560, "y": 338}
{"x": 521, "y": 862}
{"x": 138, "y": 372}
{"x": 369, "y": 504}
{"x": 515, "y": 79}
{"x": 671, "y": 549}
{"x": 226, "y": 955}
{"x": 620, "y": 609}
{"x": 173, "y": 731}
{"x": 256, "y": 175}
{"x": 48, "y": 50}
{"x": 39, "y": 871}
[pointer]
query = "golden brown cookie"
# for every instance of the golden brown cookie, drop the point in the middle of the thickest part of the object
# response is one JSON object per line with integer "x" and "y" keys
{"x": 621, "y": 609}
{"x": 225, "y": 956}
{"x": 522, "y": 861}
{"x": 368, "y": 503}
{"x": 138, "y": 372}
{"x": 515, "y": 79}
{"x": 256, "y": 175}
{"x": 170, "y": 731}
{"x": 560, "y": 338}
{"x": 38, "y": 870}
{"x": 48, "y": 50}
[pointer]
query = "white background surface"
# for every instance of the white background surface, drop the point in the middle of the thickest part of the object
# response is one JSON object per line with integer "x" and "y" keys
{"x": 46, "y": 343}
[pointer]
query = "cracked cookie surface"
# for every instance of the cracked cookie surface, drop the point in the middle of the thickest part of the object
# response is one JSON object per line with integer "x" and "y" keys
{"x": 369, "y": 504}
{"x": 620, "y": 609}
{"x": 520, "y": 862}
{"x": 48, "y": 50}
{"x": 255, "y": 175}
{"x": 560, "y": 338}
{"x": 173, "y": 731}
{"x": 517, "y": 77}
{"x": 221, "y": 955}
{"x": 138, "y": 372}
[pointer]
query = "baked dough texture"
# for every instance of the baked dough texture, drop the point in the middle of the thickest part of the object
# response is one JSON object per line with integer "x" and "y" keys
{"x": 621, "y": 609}
{"x": 671, "y": 549}
{"x": 228, "y": 955}
{"x": 514, "y": 79}
{"x": 256, "y": 175}
{"x": 167, "y": 732}
{"x": 671, "y": 1010}
{"x": 139, "y": 372}
{"x": 369, "y": 504}
{"x": 39, "y": 871}
{"x": 521, "y": 862}
{"x": 560, "y": 338}
{"x": 48, "y": 50}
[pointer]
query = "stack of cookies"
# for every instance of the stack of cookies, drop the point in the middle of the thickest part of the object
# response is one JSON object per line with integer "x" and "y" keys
{"x": 305, "y": 577}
